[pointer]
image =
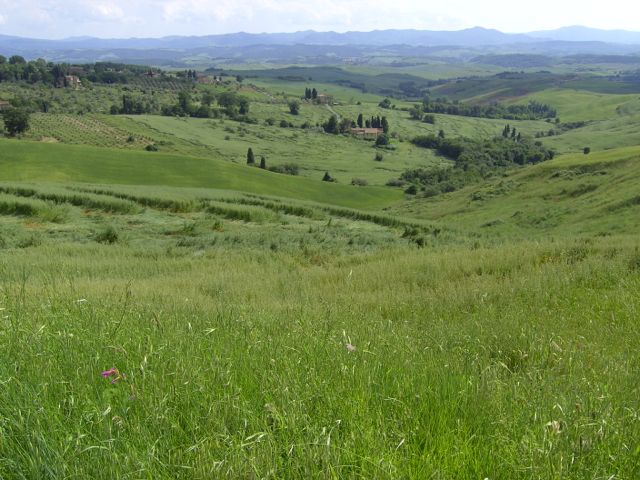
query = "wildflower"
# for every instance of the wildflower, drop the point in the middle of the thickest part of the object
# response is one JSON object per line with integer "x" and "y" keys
{"x": 350, "y": 348}
{"x": 114, "y": 374}
{"x": 110, "y": 372}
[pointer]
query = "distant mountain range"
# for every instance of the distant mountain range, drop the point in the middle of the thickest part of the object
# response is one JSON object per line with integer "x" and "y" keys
{"x": 477, "y": 41}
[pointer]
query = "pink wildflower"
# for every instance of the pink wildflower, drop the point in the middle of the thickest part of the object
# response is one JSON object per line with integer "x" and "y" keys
{"x": 110, "y": 372}
{"x": 113, "y": 372}
{"x": 350, "y": 348}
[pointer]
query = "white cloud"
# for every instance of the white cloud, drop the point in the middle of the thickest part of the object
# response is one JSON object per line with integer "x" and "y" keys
{"x": 2, "y": 20}
{"x": 107, "y": 11}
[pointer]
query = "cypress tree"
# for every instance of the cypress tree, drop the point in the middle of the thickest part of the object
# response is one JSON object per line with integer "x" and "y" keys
{"x": 360, "y": 120}
{"x": 251, "y": 160}
{"x": 384, "y": 124}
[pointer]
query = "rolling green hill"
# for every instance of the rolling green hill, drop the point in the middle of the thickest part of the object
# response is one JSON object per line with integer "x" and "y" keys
{"x": 34, "y": 161}
{"x": 573, "y": 194}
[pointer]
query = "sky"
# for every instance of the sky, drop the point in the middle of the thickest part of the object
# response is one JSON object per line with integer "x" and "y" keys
{"x": 157, "y": 18}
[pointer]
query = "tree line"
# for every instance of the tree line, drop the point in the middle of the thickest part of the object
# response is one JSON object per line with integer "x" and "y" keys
{"x": 473, "y": 160}
{"x": 335, "y": 126}
{"x": 532, "y": 111}
{"x": 231, "y": 104}
{"x": 17, "y": 69}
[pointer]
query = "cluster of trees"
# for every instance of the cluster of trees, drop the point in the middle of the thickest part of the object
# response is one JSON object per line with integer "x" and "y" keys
{"x": 285, "y": 169}
{"x": 188, "y": 74}
{"x": 473, "y": 159}
{"x": 310, "y": 93}
{"x": 132, "y": 106}
{"x": 232, "y": 105}
{"x": 511, "y": 133}
{"x": 17, "y": 69}
{"x": 251, "y": 159}
{"x": 335, "y": 126}
{"x": 532, "y": 111}
{"x": 373, "y": 122}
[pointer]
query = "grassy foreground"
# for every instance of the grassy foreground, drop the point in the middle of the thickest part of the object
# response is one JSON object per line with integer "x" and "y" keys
{"x": 514, "y": 362}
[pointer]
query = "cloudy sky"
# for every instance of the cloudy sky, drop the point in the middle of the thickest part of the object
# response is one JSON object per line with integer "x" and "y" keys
{"x": 156, "y": 18}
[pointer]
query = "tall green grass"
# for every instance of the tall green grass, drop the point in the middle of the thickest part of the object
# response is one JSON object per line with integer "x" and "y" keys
{"x": 511, "y": 362}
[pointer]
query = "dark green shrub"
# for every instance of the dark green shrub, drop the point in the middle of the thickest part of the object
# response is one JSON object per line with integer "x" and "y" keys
{"x": 109, "y": 235}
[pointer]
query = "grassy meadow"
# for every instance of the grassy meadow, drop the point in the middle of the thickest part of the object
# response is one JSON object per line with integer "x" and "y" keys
{"x": 179, "y": 314}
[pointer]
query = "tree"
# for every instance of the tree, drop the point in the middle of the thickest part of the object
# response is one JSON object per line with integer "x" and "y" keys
{"x": 17, "y": 59}
{"x": 244, "y": 106}
{"x": 294, "y": 107}
{"x": 587, "y": 150}
{"x": 184, "y": 101}
{"x": 328, "y": 178}
{"x": 251, "y": 160}
{"x": 384, "y": 124}
{"x": 16, "y": 121}
{"x": 314, "y": 94}
{"x": 263, "y": 163}
{"x": 345, "y": 125}
{"x": 360, "y": 121}
{"x": 382, "y": 140}
{"x": 331, "y": 126}
{"x": 307, "y": 93}
{"x": 207, "y": 98}
{"x": 441, "y": 134}
{"x": 3, "y": 59}
{"x": 416, "y": 112}
{"x": 386, "y": 103}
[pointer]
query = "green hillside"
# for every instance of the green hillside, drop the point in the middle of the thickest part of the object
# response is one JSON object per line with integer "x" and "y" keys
{"x": 577, "y": 193}
{"x": 32, "y": 161}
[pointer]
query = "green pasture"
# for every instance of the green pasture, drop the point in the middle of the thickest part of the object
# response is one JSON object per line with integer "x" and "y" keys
{"x": 573, "y": 194}
{"x": 36, "y": 161}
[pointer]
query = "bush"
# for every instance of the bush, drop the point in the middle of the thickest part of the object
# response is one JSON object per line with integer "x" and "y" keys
{"x": 396, "y": 182}
{"x": 328, "y": 178}
{"x": 287, "y": 169}
{"x": 412, "y": 190}
{"x": 294, "y": 107}
{"x": 379, "y": 157}
{"x": 151, "y": 148}
{"x": 109, "y": 235}
{"x": 587, "y": 150}
{"x": 359, "y": 182}
{"x": 382, "y": 140}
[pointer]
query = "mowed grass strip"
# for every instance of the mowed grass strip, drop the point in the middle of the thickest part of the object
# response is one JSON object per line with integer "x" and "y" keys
{"x": 30, "y": 161}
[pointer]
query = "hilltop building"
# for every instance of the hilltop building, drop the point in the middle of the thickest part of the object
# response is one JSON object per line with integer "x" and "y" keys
{"x": 324, "y": 99}
{"x": 367, "y": 133}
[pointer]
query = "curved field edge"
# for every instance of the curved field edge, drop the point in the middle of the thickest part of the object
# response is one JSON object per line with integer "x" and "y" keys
{"x": 30, "y": 161}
